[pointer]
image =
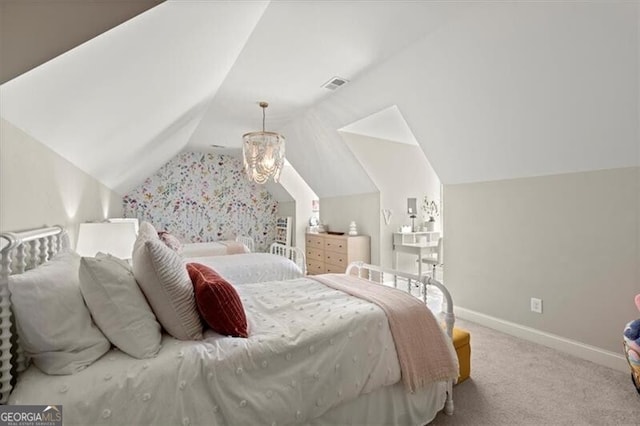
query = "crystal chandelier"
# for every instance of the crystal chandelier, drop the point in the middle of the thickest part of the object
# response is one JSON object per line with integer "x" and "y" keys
{"x": 263, "y": 153}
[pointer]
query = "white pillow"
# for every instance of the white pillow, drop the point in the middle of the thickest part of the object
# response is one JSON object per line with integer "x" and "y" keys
{"x": 148, "y": 231}
{"x": 118, "y": 306}
{"x": 164, "y": 280}
{"x": 53, "y": 323}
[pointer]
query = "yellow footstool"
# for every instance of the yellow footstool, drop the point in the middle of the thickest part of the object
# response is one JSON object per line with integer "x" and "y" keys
{"x": 462, "y": 343}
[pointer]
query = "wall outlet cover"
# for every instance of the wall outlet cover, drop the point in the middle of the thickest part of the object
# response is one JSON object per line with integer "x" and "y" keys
{"x": 536, "y": 305}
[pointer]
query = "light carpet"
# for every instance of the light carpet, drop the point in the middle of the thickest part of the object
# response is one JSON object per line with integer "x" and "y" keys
{"x": 516, "y": 382}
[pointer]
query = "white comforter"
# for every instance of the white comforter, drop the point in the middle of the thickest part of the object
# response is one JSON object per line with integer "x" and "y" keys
{"x": 251, "y": 267}
{"x": 211, "y": 248}
{"x": 310, "y": 349}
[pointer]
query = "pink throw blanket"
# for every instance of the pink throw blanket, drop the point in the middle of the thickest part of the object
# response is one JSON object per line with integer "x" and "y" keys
{"x": 234, "y": 247}
{"x": 423, "y": 352}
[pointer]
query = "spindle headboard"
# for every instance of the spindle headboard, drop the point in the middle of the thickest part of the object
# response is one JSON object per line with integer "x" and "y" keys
{"x": 20, "y": 251}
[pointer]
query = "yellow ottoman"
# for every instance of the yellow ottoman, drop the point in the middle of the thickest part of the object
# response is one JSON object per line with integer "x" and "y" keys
{"x": 462, "y": 343}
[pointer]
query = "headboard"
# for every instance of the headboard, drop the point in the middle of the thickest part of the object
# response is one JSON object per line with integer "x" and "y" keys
{"x": 20, "y": 251}
{"x": 292, "y": 253}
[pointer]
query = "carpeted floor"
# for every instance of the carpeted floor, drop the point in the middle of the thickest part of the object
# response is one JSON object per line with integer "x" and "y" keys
{"x": 516, "y": 382}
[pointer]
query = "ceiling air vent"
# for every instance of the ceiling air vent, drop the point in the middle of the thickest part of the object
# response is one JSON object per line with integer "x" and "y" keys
{"x": 335, "y": 82}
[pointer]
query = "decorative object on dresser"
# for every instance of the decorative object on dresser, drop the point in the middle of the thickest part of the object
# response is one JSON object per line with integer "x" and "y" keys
{"x": 332, "y": 253}
{"x": 353, "y": 228}
{"x": 263, "y": 153}
{"x": 283, "y": 230}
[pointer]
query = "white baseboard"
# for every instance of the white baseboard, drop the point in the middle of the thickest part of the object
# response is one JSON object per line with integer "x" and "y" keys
{"x": 572, "y": 347}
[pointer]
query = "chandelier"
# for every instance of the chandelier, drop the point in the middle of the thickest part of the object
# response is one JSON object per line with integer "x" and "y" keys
{"x": 263, "y": 153}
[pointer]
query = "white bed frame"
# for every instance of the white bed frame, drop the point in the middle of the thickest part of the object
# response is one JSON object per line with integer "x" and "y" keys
{"x": 386, "y": 276}
{"x": 247, "y": 241}
{"x": 21, "y": 251}
{"x": 292, "y": 253}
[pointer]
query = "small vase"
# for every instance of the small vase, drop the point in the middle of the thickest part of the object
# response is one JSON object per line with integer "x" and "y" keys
{"x": 353, "y": 230}
{"x": 429, "y": 226}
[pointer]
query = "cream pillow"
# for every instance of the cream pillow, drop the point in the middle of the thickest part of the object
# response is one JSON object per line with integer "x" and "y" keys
{"x": 118, "y": 306}
{"x": 164, "y": 280}
{"x": 147, "y": 231}
{"x": 53, "y": 323}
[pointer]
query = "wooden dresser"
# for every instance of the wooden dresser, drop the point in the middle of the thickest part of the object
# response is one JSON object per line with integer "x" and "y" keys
{"x": 328, "y": 253}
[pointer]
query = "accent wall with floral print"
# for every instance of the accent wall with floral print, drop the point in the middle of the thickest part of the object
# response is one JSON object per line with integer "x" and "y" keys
{"x": 204, "y": 197}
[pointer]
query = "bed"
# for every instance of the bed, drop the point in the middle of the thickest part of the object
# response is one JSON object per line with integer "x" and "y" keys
{"x": 281, "y": 263}
{"x": 236, "y": 260}
{"x": 218, "y": 248}
{"x": 315, "y": 355}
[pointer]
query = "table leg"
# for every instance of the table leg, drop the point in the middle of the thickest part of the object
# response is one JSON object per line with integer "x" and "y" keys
{"x": 394, "y": 259}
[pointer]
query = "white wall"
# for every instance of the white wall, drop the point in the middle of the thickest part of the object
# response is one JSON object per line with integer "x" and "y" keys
{"x": 568, "y": 239}
{"x": 40, "y": 188}
{"x": 510, "y": 89}
{"x": 400, "y": 171}
{"x": 303, "y": 196}
{"x": 364, "y": 209}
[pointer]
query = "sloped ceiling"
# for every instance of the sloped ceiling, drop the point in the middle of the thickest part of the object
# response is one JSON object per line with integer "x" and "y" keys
{"x": 33, "y": 32}
{"x": 388, "y": 124}
{"x": 127, "y": 101}
{"x": 490, "y": 90}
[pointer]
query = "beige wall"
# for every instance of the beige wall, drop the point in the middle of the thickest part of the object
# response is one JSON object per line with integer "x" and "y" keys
{"x": 571, "y": 240}
{"x": 38, "y": 187}
{"x": 364, "y": 209}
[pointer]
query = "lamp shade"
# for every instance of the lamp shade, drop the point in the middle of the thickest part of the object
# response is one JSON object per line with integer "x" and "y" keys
{"x": 133, "y": 220}
{"x": 113, "y": 238}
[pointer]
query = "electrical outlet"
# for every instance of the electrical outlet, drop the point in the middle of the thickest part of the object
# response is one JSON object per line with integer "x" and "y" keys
{"x": 536, "y": 305}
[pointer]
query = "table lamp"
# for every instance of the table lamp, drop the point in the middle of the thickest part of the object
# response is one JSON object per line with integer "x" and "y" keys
{"x": 113, "y": 238}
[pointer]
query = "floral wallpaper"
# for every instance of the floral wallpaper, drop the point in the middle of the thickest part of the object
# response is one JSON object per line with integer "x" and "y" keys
{"x": 204, "y": 197}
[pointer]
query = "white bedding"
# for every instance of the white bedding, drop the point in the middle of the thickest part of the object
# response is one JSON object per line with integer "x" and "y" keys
{"x": 251, "y": 267}
{"x": 311, "y": 349}
{"x": 211, "y": 248}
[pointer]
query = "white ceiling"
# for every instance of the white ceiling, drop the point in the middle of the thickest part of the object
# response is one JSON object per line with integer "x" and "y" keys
{"x": 388, "y": 124}
{"x": 490, "y": 90}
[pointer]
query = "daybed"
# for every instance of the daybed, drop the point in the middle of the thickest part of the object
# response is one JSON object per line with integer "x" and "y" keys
{"x": 281, "y": 263}
{"x": 242, "y": 244}
{"x": 314, "y": 354}
{"x": 235, "y": 260}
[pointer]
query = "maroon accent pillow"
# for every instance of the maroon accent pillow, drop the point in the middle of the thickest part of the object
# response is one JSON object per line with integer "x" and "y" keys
{"x": 217, "y": 301}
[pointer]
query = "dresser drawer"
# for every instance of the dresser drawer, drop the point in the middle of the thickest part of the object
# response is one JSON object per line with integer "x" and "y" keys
{"x": 335, "y": 245}
{"x": 315, "y": 242}
{"x": 336, "y": 259}
{"x": 335, "y": 269}
{"x": 314, "y": 267}
{"x": 315, "y": 254}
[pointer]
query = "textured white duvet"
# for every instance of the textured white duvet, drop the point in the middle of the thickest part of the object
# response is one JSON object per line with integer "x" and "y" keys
{"x": 310, "y": 349}
{"x": 251, "y": 267}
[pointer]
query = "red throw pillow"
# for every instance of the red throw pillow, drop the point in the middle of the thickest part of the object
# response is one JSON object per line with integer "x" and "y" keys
{"x": 217, "y": 301}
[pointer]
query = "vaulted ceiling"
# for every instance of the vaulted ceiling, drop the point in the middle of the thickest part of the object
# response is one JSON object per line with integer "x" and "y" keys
{"x": 489, "y": 90}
